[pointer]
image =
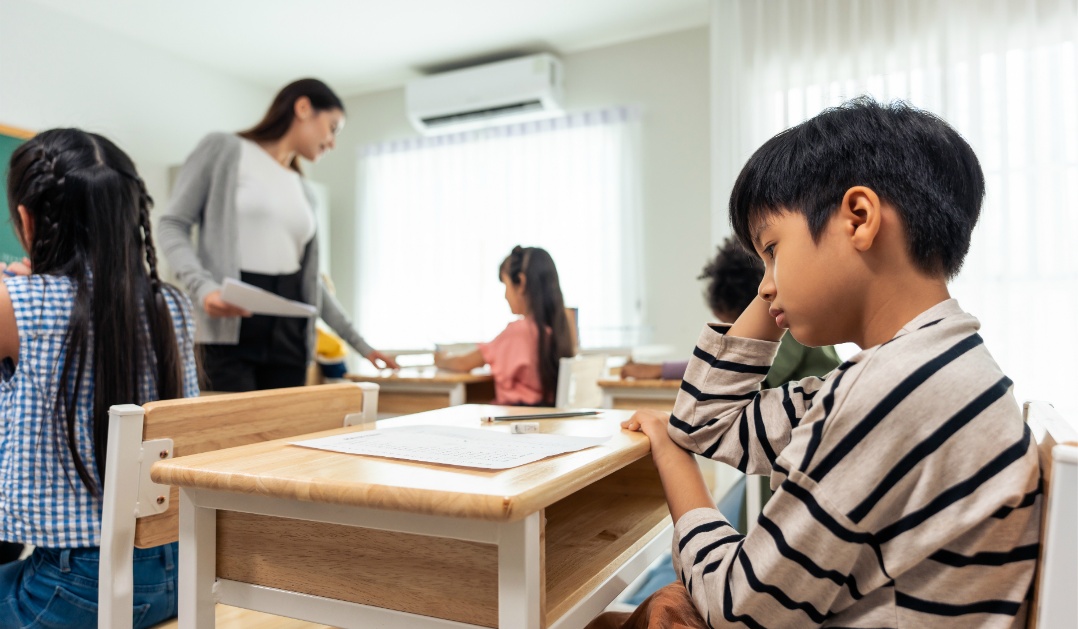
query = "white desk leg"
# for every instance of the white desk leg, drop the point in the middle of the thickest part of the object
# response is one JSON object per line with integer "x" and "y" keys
{"x": 198, "y": 564}
{"x": 458, "y": 394}
{"x": 519, "y": 577}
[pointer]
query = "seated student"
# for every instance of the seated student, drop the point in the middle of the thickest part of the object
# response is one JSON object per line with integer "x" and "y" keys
{"x": 91, "y": 326}
{"x": 907, "y": 485}
{"x": 524, "y": 358}
{"x": 734, "y": 276}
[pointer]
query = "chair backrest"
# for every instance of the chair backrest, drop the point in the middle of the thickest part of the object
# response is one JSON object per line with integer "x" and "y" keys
{"x": 578, "y": 381}
{"x": 138, "y": 512}
{"x": 1055, "y": 592}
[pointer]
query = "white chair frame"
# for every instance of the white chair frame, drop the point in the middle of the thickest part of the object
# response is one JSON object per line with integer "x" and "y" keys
{"x": 129, "y": 494}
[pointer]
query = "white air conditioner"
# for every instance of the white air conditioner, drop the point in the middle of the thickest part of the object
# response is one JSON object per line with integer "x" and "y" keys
{"x": 525, "y": 88}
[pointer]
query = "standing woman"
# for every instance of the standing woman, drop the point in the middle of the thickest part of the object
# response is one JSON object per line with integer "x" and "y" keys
{"x": 256, "y": 223}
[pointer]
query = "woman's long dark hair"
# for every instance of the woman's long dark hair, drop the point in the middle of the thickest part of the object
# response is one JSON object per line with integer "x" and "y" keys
{"x": 91, "y": 223}
{"x": 542, "y": 289}
{"x": 282, "y": 111}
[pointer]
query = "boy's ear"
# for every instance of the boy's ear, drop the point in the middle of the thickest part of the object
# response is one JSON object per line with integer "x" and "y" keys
{"x": 860, "y": 216}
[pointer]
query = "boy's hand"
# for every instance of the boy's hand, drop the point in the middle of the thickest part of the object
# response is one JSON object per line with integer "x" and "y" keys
{"x": 653, "y": 424}
{"x": 757, "y": 323}
{"x": 680, "y": 475}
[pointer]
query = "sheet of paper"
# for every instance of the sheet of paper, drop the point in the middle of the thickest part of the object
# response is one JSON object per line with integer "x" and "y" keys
{"x": 450, "y": 445}
{"x": 263, "y": 302}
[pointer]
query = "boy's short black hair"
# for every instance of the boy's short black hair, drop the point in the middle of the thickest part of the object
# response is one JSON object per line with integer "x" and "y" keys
{"x": 912, "y": 159}
{"x": 734, "y": 278}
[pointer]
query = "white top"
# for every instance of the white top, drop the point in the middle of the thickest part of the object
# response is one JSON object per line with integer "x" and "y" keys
{"x": 275, "y": 219}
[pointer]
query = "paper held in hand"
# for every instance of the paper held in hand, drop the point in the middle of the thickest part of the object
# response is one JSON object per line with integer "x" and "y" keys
{"x": 263, "y": 302}
{"x": 450, "y": 445}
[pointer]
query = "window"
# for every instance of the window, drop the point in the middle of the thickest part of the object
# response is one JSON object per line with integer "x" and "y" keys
{"x": 1002, "y": 72}
{"x": 437, "y": 216}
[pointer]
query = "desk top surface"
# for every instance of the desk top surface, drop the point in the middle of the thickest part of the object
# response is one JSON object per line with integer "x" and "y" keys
{"x": 635, "y": 383}
{"x": 279, "y": 469}
{"x": 420, "y": 375}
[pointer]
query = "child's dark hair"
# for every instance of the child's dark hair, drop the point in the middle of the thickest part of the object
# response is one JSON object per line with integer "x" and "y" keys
{"x": 282, "y": 111}
{"x": 91, "y": 223}
{"x": 912, "y": 159}
{"x": 543, "y": 292}
{"x": 734, "y": 277}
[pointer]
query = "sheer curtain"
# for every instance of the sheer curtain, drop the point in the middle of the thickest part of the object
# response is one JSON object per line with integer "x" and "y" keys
{"x": 438, "y": 215}
{"x": 1003, "y": 72}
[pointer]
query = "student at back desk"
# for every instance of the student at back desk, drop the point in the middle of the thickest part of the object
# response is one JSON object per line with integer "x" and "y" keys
{"x": 524, "y": 358}
{"x": 733, "y": 278}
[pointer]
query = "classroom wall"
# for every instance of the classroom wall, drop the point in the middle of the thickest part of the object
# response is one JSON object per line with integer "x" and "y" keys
{"x": 668, "y": 76}
{"x": 60, "y": 71}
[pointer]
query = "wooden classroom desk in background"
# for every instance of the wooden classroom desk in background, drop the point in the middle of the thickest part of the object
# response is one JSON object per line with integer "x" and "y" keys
{"x": 418, "y": 389}
{"x": 634, "y": 394}
{"x": 357, "y": 541}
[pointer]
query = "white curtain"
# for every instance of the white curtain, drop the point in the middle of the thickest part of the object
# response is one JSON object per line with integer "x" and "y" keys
{"x": 1002, "y": 72}
{"x": 438, "y": 215}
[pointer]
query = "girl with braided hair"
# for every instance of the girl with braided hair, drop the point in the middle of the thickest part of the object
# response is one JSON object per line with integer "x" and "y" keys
{"x": 90, "y": 325}
{"x": 256, "y": 223}
{"x": 524, "y": 358}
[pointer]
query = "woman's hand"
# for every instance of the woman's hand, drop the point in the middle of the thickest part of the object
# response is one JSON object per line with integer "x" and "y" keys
{"x": 217, "y": 307}
{"x": 16, "y": 268}
{"x": 387, "y": 361}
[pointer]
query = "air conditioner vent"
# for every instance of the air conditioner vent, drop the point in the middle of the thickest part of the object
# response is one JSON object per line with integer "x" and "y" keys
{"x": 525, "y": 88}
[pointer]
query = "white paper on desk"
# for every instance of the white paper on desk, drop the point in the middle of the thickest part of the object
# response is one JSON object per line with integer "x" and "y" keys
{"x": 263, "y": 302}
{"x": 450, "y": 445}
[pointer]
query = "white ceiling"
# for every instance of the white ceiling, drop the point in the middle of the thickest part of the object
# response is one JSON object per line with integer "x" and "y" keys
{"x": 365, "y": 45}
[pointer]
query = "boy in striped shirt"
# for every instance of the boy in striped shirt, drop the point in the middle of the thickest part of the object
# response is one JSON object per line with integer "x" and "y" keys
{"x": 907, "y": 487}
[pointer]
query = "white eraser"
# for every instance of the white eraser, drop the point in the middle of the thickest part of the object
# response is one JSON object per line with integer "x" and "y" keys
{"x": 523, "y": 428}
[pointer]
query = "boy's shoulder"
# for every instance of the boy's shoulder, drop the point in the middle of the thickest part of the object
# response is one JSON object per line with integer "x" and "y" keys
{"x": 936, "y": 337}
{"x": 936, "y": 362}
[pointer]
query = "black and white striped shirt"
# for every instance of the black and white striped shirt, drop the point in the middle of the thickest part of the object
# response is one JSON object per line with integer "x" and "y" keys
{"x": 907, "y": 487}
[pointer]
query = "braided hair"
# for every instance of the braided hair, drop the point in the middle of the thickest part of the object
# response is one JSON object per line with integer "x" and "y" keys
{"x": 536, "y": 269}
{"x": 90, "y": 222}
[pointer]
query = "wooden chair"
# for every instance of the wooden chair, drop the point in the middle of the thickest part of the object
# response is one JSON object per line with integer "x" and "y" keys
{"x": 578, "y": 381}
{"x": 137, "y": 512}
{"x": 1055, "y": 593}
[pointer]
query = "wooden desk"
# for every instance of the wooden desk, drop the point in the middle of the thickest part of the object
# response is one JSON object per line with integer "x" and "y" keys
{"x": 418, "y": 389}
{"x": 636, "y": 394}
{"x": 355, "y": 541}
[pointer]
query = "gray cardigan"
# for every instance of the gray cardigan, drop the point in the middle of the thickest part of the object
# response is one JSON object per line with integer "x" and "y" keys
{"x": 205, "y": 195}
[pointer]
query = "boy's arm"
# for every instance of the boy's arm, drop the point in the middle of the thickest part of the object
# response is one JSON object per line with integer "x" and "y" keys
{"x": 721, "y": 413}
{"x": 791, "y": 571}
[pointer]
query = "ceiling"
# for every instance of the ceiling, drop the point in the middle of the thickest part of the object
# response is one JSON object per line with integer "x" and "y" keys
{"x": 366, "y": 45}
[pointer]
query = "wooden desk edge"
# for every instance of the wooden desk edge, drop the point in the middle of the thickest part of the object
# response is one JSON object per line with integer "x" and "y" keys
{"x": 382, "y": 497}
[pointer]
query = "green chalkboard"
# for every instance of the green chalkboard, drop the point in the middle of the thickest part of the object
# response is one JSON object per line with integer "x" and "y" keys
{"x": 10, "y": 249}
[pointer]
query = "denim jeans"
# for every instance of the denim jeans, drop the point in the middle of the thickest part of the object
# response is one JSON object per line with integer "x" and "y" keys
{"x": 57, "y": 588}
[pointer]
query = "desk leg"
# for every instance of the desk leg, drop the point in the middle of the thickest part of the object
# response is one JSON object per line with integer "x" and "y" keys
{"x": 520, "y": 574}
{"x": 457, "y": 394}
{"x": 198, "y": 564}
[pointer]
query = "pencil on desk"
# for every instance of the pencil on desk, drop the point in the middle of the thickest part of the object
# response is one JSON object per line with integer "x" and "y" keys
{"x": 505, "y": 418}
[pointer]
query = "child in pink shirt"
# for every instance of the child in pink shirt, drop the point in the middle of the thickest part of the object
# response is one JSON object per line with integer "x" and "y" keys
{"x": 524, "y": 358}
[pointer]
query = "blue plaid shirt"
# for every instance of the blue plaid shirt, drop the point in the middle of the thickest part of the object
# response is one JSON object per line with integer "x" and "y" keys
{"x": 42, "y": 499}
